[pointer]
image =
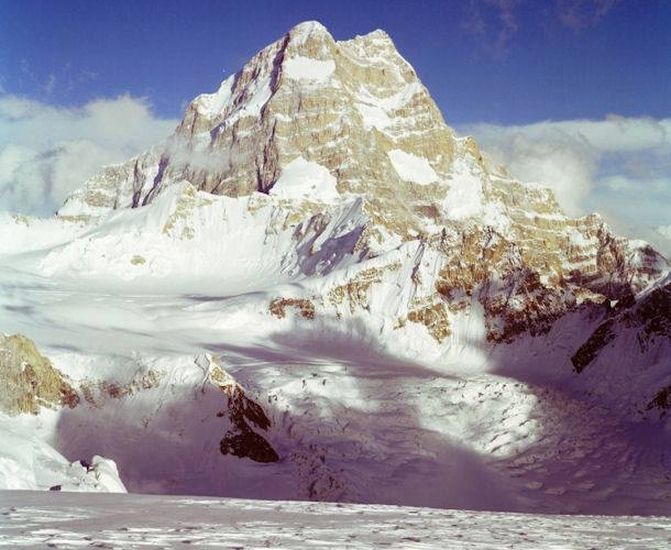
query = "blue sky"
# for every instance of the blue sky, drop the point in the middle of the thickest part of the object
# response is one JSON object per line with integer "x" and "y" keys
{"x": 575, "y": 94}
{"x": 503, "y": 61}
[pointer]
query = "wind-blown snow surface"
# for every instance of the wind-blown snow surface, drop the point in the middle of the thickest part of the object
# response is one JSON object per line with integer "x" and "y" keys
{"x": 134, "y": 521}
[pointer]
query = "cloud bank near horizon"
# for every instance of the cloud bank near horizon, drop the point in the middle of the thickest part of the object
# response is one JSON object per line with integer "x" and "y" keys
{"x": 46, "y": 151}
{"x": 617, "y": 166}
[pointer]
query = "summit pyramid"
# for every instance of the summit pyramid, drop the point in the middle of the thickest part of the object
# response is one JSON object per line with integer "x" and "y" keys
{"x": 310, "y": 126}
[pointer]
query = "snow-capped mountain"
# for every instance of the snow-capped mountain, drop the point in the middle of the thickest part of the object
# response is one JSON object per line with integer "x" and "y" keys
{"x": 315, "y": 289}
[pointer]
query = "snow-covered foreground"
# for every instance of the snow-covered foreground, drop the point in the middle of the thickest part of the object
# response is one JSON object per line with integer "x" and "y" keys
{"x": 40, "y": 520}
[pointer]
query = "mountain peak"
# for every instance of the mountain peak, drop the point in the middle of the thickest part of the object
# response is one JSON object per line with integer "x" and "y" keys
{"x": 308, "y": 28}
{"x": 379, "y": 35}
{"x": 311, "y": 119}
{"x": 355, "y": 108}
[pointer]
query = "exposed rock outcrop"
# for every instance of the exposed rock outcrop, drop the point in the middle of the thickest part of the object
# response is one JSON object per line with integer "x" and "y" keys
{"x": 246, "y": 417}
{"x": 29, "y": 380}
{"x": 305, "y": 308}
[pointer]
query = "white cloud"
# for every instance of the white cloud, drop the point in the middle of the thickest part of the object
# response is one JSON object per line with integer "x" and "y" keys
{"x": 619, "y": 166}
{"x": 613, "y": 134}
{"x": 563, "y": 162}
{"x": 46, "y": 152}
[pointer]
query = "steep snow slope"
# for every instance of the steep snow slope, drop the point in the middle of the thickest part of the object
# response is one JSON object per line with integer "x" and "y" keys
{"x": 627, "y": 359}
{"x": 314, "y": 290}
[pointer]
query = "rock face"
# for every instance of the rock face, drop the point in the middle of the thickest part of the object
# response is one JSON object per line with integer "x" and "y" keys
{"x": 244, "y": 414}
{"x": 29, "y": 380}
{"x": 355, "y": 108}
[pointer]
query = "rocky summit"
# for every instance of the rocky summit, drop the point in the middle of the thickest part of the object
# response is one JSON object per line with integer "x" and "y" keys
{"x": 314, "y": 289}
